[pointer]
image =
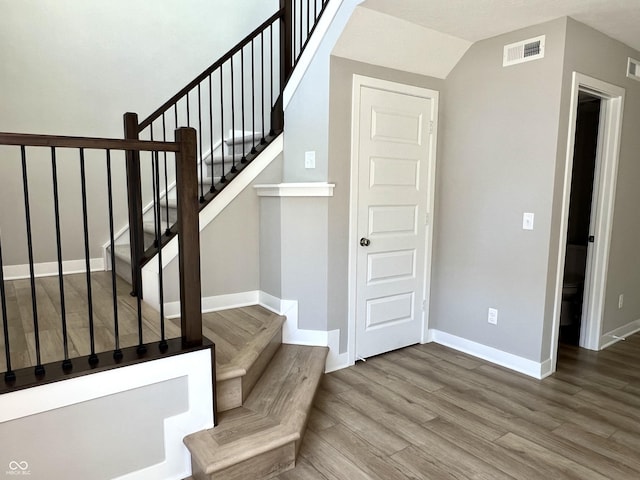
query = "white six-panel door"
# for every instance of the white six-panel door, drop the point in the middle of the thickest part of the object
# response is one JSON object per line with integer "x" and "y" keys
{"x": 393, "y": 177}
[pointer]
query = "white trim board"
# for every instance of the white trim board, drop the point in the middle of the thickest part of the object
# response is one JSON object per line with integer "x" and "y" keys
{"x": 50, "y": 269}
{"x": 619, "y": 334}
{"x": 309, "y": 189}
{"x": 310, "y": 50}
{"x": 294, "y": 335}
{"x": 196, "y": 366}
{"x": 291, "y": 333}
{"x": 528, "y": 367}
{"x": 215, "y": 303}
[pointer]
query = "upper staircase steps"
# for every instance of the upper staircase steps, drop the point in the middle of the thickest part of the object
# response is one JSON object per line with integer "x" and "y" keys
{"x": 211, "y": 174}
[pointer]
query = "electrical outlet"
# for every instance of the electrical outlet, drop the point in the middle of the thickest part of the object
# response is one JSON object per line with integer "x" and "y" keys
{"x": 309, "y": 159}
{"x": 492, "y": 317}
{"x": 621, "y": 300}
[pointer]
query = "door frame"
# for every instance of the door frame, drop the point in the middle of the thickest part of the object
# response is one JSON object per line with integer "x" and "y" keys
{"x": 360, "y": 81}
{"x": 605, "y": 178}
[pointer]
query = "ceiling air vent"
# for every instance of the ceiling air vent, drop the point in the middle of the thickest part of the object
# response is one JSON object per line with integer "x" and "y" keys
{"x": 525, "y": 51}
{"x": 633, "y": 69}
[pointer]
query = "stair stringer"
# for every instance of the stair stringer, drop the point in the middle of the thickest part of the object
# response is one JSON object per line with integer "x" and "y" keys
{"x": 150, "y": 280}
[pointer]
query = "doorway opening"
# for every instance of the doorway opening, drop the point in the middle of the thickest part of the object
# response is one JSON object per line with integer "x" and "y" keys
{"x": 579, "y": 232}
{"x": 600, "y": 202}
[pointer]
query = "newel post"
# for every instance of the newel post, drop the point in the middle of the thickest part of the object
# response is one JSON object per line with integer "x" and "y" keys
{"x": 134, "y": 194}
{"x": 188, "y": 237}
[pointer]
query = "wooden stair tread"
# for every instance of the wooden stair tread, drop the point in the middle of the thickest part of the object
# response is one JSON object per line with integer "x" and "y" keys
{"x": 246, "y": 339}
{"x": 236, "y": 347}
{"x": 273, "y": 417}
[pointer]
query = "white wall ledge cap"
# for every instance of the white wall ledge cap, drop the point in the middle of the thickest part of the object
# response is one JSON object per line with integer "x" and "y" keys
{"x": 301, "y": 189}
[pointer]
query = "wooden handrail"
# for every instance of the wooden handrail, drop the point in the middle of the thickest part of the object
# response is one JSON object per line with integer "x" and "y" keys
{"x": 243, "y": 43}
{"x": 33, "y": 140}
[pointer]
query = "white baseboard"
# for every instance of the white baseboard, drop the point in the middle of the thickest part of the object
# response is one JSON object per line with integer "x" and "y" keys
{"x": 528, "y": 367}
{"x": 50, "y": 269}
{"x": 291, "y": 334}
{"x": 218, "y": 302}
{"x": 335, "y": 359}
{"x": 619, "y": 334}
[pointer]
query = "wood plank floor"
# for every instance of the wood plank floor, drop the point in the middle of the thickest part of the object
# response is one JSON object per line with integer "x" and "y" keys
{"x": 428, "y": 412}
{"x": 231, "y": 330}
{"x": 49, "y": 313}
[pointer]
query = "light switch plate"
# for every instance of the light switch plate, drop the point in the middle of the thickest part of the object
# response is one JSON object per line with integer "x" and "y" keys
{"x": 492, "y": 316}
{"x": 309, "y": 159}
{"x": 527, "y": 221}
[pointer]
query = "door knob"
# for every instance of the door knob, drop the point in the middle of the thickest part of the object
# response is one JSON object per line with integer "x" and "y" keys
{"x": 365, "y": 242}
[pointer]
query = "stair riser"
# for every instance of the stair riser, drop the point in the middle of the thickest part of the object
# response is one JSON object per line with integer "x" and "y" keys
{"x": 123, "y": 269}
{"x": 217, "y": 167}
{"x": 264, "y": 466}
{"x": 232, "y": 393}
{"x": 173, "y": 214}
{"x": 237, "y": 148}
{"x": 228, "y": 394}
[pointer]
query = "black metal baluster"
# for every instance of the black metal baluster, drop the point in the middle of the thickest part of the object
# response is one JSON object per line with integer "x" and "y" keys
{"x": 315, "y": 11}
{"x": 39, "y": 369}
{"x": 166, "y": 178}
{"x": 223, "y": 179}
{"x": 308, "y": 17}
{"x": 293, "y": 26}
{"x": 233, "y": 123}
{"x": 175, "y": 114}
{"x": 155, "y": 169}
{"x": 271, "y": 104}
{"x": 262, "y": 140}
{"x": 153, "y": 198}
{"x": 244, "y": 156}
{"x": 213, "y": 188}
{"x": 253, "y": 100}
{"x": 93, "y": 358}
{"x": 188, "y": 111}
{"x": 201, "y": 156}
{"x": 301, "y": 36}
{"x": 66, "y": 363}
{"x": 9, "y": 374}
{"x": 117, "y": 352}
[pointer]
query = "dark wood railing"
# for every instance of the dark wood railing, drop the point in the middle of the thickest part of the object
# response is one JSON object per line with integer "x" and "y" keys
{"x": 38, "y": 152}
{"x": 237, "y": 108}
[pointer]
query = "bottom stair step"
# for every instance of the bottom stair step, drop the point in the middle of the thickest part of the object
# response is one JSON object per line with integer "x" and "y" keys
{"x": 261, "y": 439}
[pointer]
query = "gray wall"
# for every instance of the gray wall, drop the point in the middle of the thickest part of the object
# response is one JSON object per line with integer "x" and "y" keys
{"x": 230, "y": 246}
{"x": 592, "y": 53}
{"x": 497, "y": 160}
{"x": 99, "y": 439}
{"x": 74, "y": 68}
{"x": 342, "y": 71}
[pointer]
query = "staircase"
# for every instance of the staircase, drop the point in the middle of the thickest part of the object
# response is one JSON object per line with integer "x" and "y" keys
{"x": 265, "y": 391}
{"x": 211, "y": 173}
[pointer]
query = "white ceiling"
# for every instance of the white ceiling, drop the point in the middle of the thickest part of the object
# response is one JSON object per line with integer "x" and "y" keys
{"x": 475, "y": 20}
